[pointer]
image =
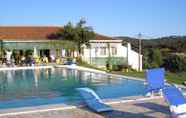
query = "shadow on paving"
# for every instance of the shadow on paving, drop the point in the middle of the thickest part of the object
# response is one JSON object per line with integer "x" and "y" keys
{"x": 120, "y": 114}
{"x": 123, "y": 114}
{"x": 148, "y": 110}
{"x": 154, "y": 107}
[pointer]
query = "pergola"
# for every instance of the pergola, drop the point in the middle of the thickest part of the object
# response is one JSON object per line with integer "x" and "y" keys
{"x": 39, "y": 45}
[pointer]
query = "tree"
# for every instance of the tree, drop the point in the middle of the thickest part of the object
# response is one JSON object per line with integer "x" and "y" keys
{"x": 146, "y": 54}
{"x": 157, "y": 58}
{"x": 66, "y": 44}
{"x": 68, "y": 33}
{"x": 175, "y": 63}
{"x": 153, "y": 58}
{"x": 83, "y": 34}
{"x": 80, "y": 34}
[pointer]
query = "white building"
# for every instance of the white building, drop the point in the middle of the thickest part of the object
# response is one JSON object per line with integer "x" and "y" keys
{"x": 100, "y": 50}
{"x": 37, "y": 38}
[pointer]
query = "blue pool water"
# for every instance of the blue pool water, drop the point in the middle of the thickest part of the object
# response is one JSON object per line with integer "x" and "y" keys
{"x": 21, "y": 88}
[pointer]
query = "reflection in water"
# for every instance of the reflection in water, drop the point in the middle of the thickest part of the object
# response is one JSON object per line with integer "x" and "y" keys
{"x": 41, "y": 83}
{"x": 3, "y": 84}
{"x": 10, "y": 76}
{"x": 109, "y": 79}
{"x": 50, "y": 83}
{"x": 36, "y": 77}
{"x": 52, "y": 70}
{"x": 23, "y": 74}
{"x": 46, "y": 73}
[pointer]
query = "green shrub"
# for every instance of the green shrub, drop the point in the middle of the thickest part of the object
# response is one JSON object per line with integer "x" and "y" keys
{"x": 108, "y": 66}
{"x": 28, "y": 52}
{"x": 115, "y": 68}
{"x": 175, "y": 63}
{"x": 120, "y": 67}
{"x": 69, "y": 58}
{"x": 152, "y": 58}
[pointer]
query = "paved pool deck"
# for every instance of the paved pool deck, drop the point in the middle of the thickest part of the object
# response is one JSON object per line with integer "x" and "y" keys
{"x": 149, "y": 108}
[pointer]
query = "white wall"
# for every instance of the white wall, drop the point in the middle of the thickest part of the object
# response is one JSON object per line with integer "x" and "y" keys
{"x": 122, "y": 51}
{"x": 133, "y": 58}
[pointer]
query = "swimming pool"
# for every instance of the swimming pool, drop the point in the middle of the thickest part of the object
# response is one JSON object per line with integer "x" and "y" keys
{"x": 21, "y": 88}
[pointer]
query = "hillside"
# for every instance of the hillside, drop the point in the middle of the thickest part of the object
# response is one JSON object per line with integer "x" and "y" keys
{"x": 171, "y": 43}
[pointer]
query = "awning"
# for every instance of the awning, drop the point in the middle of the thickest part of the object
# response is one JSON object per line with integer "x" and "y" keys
{"x": 21, "y": 45}
{"x": 25, "y": 45}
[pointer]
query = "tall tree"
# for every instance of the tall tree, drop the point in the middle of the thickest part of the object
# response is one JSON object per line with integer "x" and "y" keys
{"x": 68, "y": 33}
{"x": 80, "y": 33}
{"x": 83, "y": 34}
{"x": 155, "y": 58}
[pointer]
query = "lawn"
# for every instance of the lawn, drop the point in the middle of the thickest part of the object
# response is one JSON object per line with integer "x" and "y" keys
{"x": 177, "y": 78}
{"x": 131, "y": 73}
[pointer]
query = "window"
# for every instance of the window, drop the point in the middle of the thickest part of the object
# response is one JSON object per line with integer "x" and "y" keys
{"x": 114, "y": 51}
{"x": 103, "y": 51}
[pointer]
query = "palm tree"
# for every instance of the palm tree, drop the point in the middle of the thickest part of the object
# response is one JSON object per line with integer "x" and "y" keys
{"x": 79, "y": 34}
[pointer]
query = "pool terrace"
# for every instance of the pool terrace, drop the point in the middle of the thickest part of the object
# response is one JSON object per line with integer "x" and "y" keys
{"x": 134, "y": 108}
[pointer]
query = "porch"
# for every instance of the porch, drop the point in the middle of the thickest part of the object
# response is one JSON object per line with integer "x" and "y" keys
{"x": 30, "y": 49}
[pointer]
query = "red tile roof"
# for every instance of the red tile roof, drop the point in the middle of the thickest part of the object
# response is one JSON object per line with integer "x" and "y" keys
{"x": 34, "y": 33}
{"x": 26, "y": 32}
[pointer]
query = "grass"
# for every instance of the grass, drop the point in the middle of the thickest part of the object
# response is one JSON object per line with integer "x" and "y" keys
{"x": 130, "y": 73}
{"x": 90, "y": 66}
{"x": 177, "y": 78}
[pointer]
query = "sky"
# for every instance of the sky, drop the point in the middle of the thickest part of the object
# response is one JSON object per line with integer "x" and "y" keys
{"x": 152, "y": 18}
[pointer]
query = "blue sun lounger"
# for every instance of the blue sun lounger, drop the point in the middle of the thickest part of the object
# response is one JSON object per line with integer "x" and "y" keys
{"x": 93, "y": 101}
{"x": 155, "y": 80}
{"x": 176, "y": 101}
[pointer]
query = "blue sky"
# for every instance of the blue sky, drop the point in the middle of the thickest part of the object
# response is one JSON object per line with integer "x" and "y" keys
{"x": 153, "y": 18}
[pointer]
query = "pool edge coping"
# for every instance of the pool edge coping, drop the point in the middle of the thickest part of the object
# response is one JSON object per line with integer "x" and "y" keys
{"x": 77, "y": 68}
{"x": 25, "y": 68}
{"x": 71, "y": 107}
{"x": 99, "y": 72}
{"x": 109, "y": 74}
{"x": 70, "y": 67}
